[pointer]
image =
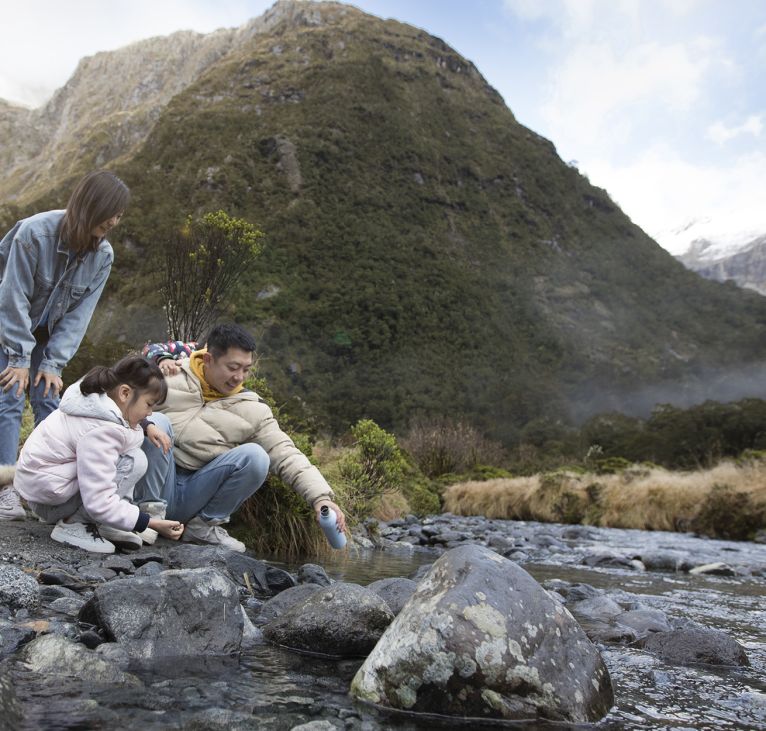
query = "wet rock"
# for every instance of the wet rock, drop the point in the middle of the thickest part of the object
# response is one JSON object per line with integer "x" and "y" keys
{"x": 578, "y": 533}
{"x": 70, "y": 606}
{"x": 13, "y": 636}
{"x": 91, "y": 639}
{"x": 760, "y": 536}
{"x": 322, "y": 725}
{"x": 60, "y": 577}
{"x": 17, "y": 588}
{"x": 57, "y": 656}
{"x": 572, "y": 592}
{"x": 598, "y": 607}
{"x": 481, "y": 638}
{"x": 394, "y": 592}
{"x": 10, "y": 708}
{"x": 144, "y": 557}
{"x": 612, "y": 560}
{"x": 310, "y": 573}
{"x": 714, "y": 569}
{"x": 178, "y": 613}
{"x": 119, "y": 564}
{"x": 609, "y": 632}
{"x": 96, "y": 573}
{"x": 662, "y": 560}
{"x": 278, "y": 605}
{"x": 644, "y": 621}
{"x": 363, "y": 542}
{"x": 421, "y": 571}
{"x": 265, "y": 580}
{"x": 151, "y": 568}
{"x": 342, "y": 620}
{"x": 50, "y": 593}
{"x": 695, "y": 645}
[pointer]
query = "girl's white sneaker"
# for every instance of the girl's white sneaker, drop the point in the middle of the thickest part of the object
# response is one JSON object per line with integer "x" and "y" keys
{"x": 81, "y": 535}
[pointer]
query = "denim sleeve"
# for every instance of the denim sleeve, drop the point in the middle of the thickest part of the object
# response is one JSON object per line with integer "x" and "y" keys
{"x": 69, "y": 331}
{"x": 16, "y": 289}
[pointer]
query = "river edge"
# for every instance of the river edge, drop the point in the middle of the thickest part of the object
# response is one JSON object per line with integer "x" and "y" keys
{"x": 544, "y": 550}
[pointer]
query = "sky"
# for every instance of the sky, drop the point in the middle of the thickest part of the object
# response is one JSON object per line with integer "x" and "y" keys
{"x": 660, "y": 102}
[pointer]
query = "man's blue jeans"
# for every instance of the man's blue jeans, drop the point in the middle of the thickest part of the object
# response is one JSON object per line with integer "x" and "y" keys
{"x": 212, "y": 492}
{"x": 12, "y": 406}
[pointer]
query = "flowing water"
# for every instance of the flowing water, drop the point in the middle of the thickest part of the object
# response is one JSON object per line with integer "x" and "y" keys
{"x": 275, "y": 689}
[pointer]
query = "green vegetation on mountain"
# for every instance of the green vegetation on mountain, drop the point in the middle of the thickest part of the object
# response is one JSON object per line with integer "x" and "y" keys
{"x": 425, "y": 254}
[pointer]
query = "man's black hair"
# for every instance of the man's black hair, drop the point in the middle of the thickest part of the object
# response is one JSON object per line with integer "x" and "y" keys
{"x": 228, "y": 335}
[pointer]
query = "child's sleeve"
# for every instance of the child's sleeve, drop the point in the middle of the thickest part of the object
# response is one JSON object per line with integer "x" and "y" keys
{"x": 172, "y": 349}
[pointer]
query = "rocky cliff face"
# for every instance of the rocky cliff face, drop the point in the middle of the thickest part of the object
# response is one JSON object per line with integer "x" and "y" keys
{"x": 746, "y": 267}
{"x": 110, "y": 104}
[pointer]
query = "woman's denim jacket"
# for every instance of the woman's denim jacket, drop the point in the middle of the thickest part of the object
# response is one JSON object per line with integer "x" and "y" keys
{"x": 41, "y": 283}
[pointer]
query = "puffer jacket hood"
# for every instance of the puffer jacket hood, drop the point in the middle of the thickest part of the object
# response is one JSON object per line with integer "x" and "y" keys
{"x": 94, "y": 405}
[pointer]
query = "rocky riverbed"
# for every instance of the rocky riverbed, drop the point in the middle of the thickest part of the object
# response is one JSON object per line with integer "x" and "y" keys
{"x": 95, "y": 642}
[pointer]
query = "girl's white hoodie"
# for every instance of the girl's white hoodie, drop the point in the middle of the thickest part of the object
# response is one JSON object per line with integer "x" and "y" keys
{"x": 76, "y": 448}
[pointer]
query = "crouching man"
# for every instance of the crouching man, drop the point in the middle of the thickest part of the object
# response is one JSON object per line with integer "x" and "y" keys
{"x": 220, "y": 441}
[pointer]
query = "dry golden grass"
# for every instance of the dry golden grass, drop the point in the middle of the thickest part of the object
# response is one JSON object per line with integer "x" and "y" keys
{"x": 652, "y": 499}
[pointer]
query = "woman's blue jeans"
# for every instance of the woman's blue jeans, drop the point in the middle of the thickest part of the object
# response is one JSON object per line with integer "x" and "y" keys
{"x": 12, "y": 406}
{"x": 212, "y": 492}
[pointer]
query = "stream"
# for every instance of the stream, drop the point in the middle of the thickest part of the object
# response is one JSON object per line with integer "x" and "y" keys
{"x": 271, "y": 688}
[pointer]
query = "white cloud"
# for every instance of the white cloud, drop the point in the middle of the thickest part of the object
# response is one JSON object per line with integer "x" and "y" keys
{"x": 660, "y": 191}
{"x": 720, "y": 133}
{"x": 597, "y": 92}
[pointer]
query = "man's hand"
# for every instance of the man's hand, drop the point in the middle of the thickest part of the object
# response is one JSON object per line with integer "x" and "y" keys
{"x": 52, "y": 381}
{"x": 341, "y": 522}
{"x": 169, "y": 367}
{"x": 19, "y": 376}
{"x": 158, "y": 438}
{"x": 168, "y": 528}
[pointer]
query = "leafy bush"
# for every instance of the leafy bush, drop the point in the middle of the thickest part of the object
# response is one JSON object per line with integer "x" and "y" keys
{"x": 375, "y": 466}
{"x": 202, "y": 262}
{"x": 728, "y": 513}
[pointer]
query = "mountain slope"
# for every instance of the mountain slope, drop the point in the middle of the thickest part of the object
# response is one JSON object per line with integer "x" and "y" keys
{"x": 425, "y": 252}
{"x": 746, "y": 266}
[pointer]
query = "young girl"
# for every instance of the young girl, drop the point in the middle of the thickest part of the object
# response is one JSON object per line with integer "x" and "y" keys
{"x": 53, "y": 268}
{"x": 79, "y": 466}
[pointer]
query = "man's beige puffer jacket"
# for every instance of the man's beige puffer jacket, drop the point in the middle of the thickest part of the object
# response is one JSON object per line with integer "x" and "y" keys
{"x": 203, "y": 431}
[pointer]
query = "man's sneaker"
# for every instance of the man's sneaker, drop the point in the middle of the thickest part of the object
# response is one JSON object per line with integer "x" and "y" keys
{"x": 10, "y": 505}
{"x": 210, "y": 532}
{"x": 155, "y": 510}
{"x": 81, "y": 535}
{"x": 123, "y": 539}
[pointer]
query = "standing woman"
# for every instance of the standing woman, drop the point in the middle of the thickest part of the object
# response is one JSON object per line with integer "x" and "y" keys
{"x": 53, "y": 268}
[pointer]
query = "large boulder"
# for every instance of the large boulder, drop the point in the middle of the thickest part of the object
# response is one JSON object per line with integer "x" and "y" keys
{"x": 696, "y": 645}
{"x": 481, "y": 638}
{"x": 395, "y": 592}
{"x": 176, "y": 613}
{"x": 344, "y": 620}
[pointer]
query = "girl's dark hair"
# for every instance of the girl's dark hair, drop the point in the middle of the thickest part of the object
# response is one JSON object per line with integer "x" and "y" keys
{"x": 133, "y": 370}
{"x": 96, "y": 198}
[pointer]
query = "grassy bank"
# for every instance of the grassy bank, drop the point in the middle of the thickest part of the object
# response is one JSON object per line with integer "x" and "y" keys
{"x": 727, "y": 501}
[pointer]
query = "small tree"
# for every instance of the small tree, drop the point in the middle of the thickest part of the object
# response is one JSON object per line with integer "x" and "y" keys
{"x": 202, "y": 262}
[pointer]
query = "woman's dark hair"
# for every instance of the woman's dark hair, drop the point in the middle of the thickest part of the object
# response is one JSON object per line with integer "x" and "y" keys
{"x": 96, "y": 198}
{"x": 133, "y": 370}
{"x": 228, "y": 335}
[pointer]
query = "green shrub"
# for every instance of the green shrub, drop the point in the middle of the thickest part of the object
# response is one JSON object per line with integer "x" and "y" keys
{"x": 375, "y": 466}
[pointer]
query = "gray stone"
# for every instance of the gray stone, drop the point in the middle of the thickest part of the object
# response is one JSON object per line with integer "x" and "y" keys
{"x": 119, "y": 564}
{"x": 17, "y": 588}
{"x": 644, "y": 621}
{"x": 695, "y": 645}
{"x": 49, "y": 593}
{"x": 714, "y": 569}
{"x": 394, "y": 592}
{"x": 598, "y": 607}
{"x": 278, "y": 605}
{"x": 343, "y": 620}
{"x": 177, "y": 613}
{"x": 662, "y": 560}
{"x": 150, "y": 568}
{"x": 70, "y": 606}
{"x": 96, "y": 573}
{"x": 13, "y": 636}
{"x": 10, "y": 708}
{"x": 310, "y": 573}
{"x": 58, "y": 656}
{"x": 481, "y": 638}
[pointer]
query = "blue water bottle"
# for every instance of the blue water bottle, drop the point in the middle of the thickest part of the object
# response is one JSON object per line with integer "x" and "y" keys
{"x": 328, "y": 521}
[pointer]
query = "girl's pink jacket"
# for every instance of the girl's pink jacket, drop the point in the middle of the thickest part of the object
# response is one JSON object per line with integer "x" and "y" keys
{"x": 76, "y": 448}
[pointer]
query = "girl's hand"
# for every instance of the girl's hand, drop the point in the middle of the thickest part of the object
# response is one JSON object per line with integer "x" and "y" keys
{"x": 19, "y": 376}
{"x": 52, "y": 381}
{"x": 168, "y": 528}
{"x": 158, "y": 438}
{"x": 341, "y": 519}
{"x": 169, "y": 367}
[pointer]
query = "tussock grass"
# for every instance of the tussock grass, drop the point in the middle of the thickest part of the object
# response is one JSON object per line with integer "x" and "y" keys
{"x": 727, "y": 501}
